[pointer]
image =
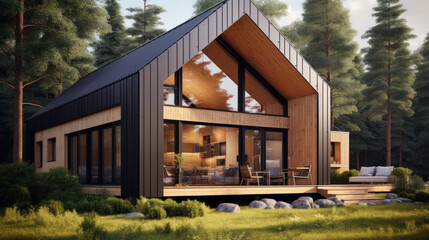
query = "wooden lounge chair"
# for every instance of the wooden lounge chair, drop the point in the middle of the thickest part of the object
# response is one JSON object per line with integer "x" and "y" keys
{"x": 304, "y": 173}
{"x": 276, "y": 175}
{"x": 247, "y": 175}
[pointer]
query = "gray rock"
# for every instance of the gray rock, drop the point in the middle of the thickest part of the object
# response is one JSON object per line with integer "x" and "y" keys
{"x": 228, "y": 207}
{"x": 419, "y": 203}
{"x": 340, "y": 204}
{"x": 301, "y": 204}
{"x": 391, "y": 195}
{"x": 397, "y": 201}
{"x": 269, "y": 201}
{"x": 313, "y": 205}
{"x": 324, "y": 203}
{"x": 309, "y": 199}
{"x": 372, "y": 204}
{"x": 335, "y": 199}
{"x": 269, "y": 207}
{"x": 134, "y": 215}
{"x": 257, "y": 204}
{"x": 281, "y": 204}
{"x": 390, "y": 201}
{"x": 362, "y": 204}
{"x": 404, "y": 200}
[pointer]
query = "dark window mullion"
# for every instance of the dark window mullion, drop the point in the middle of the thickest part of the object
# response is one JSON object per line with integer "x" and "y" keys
{"x": 100, "y": 153}
{"x": 263, "y": 149}
{"x": 113, "y": 153}
{"x": 178, "y": 87}
{"x": 88, "y": 158}
{"x": 178, "y": 135}
{"x": 241, "y": 87}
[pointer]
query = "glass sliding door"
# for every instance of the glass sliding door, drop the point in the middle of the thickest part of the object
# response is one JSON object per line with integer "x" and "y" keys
{"x": 169, "y": 178}
{"x": 253, "y": 149}
{"x": 274, "y": 152}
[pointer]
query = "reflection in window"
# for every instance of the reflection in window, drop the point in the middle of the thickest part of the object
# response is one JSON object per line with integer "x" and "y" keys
{"x": 252, "y": 149}
{"x": 169, "y": 144}
{"x": 107, "y": 155}
{"x": 94, "y": 156}
{"x": 274, "y": 152}
{"x": 118, "y": 155}
{"x": 169, "y": 91}
{"x": 82, "y": 159}
{"x": 258, "y": 99}
{"x": 210, "y": 79}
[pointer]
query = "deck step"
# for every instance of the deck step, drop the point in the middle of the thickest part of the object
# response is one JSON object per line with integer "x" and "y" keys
{"x": 348, "y": 191}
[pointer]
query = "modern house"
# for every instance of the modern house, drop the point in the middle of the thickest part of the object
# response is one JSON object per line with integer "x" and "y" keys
{"x": 225, "y": 88}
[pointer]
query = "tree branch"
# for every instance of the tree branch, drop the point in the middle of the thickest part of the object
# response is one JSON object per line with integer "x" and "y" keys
{"x": 6, "y": 53}
{"x": 32, "y": 104}
{"x": 31, "y": 25}
{"x": 6, "y": 83}
{"x": 43, "y": 76}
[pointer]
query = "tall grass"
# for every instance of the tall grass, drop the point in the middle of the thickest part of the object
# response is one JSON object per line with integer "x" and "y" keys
{"x": 400, "y": 221}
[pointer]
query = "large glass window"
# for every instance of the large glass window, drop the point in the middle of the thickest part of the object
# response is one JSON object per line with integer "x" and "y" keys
{"x": 274, "y": 152}
{"x": 96, "y": 152}
{"x": 258, "y": 99}
{"x": 210, "y": 155}
{"x": 252, "y": 148}
{"x": 169, "y": 145}
{"x": 210, "y": 80}
{"x": 169, "y": 90}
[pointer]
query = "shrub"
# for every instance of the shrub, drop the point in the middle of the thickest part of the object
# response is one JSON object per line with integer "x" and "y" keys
{"x": 54, "y": 207}
{"x": 416, "y": 183}
{"x": 57, "y": 184}
{"x": 421, "y": 196}
{"x": 119, "y": 205}
{"x": 25, "y": 207}
{"x": 343, "y": 178}
{"x": 17, "y": 181}
{"x": 172, "y": 208}
{"x": 89, "y": 222}
{"x": 156, "y": 212}
{"x": 335, "y": 177}
{"x": 400, "y": 179}
{"x": 90, "y": 229}
{"x": 406, "y": 195}
{"x": 193, "y": 208}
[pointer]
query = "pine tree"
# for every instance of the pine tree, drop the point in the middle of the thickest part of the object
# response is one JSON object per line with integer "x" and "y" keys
{"x": 421, "y": 118}
{"x": 273, "y": 9}
{"x": 41, "y": 39}
{"x": 388, "y": 79}
{"x": 325, "y": 39}
{"x": 146, "y": 24}
{"x": 111, "y": 45}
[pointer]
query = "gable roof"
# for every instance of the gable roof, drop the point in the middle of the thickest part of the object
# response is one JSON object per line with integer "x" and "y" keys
{"x": 127, "y": 64}
{"x": 230, "y": 11}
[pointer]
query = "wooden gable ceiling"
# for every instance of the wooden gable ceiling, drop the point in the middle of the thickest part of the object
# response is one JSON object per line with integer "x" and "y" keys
{"x": 258, "y": 50}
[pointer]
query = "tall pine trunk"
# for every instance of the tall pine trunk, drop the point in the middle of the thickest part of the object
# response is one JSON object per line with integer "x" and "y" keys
{"x": 389, "y": 109}
{"x": 18, "y": 94}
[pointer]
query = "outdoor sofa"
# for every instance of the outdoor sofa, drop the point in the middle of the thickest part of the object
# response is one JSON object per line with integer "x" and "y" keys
{"x": 373, "y": 174}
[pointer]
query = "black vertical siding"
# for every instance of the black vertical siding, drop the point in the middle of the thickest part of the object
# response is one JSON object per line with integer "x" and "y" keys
{"x": 124, "y": 93}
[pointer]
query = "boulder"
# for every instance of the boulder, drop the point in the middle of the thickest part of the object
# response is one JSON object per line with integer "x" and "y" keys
{"x": 324, "y": 203}
{"x": 390, "y": 201}
{"x": 134, "y": 215}
{"x": 281, "y": 204}
{"x": 269, "y": 201}
{"x": 371, "y": 204}
{"x": 309, "y": 199}
{"x": 313, "y": 205}
{"x": 404, "y": 200}
{"x": 257, "y": 204}
{"x": 269, "y": 207}
{"x": 335, "y": 199}
{"x": 419, "y": 203}
{"x": 391, "y": 195}
{"x": 228, "y": 207}
{"x": 340, "y": 204}
{"x": 362, "y": 204}
{"x": 301, "y": 204}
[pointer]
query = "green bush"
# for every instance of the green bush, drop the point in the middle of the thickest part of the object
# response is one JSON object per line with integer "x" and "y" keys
{"x": 172, "y": 208}
{"x": 90, "y": 229}
{"x": 17, "y": 182}
{"x": 193, "y": 208}
{"x": 57, "y": 184}
{"x": 54, "y": 207}
{"x": 119, "y": 205}
{"x": 406, "y": 195}
{"x": 89, "y": 222}
{"x": 335, "y": 177}
{"x": 421, "y": 196}
{"x": 416, "y": 183}
{"x": 401, "y": 176}
{"x": 343, "y": 178}
{"x": 156, "y": 212}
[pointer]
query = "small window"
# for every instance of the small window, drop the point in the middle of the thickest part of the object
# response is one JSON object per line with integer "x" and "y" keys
{"x": 39, "y": 154}
{"x": 51, "y": 149}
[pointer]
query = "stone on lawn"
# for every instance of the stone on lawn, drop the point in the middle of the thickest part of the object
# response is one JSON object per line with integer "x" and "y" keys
{"x": 257, "y": 204}
{"x": 301, "y": 204}
{"x": 134, "y": 215}
{"x": 390, "y": 201}
{"x": 419, "y": 203}
{"x": 269, "y": 207}
{"x": 362, "y": 204}
{"x": 324, "y": 203}
{"x": 371, "y": 204}
{"x": 404, "y": 200}
{"x": 228, "y": 207}
{"x": 391, "y": 195}
{"x": 281, "y": 204}
{"x": 340, "y": 204}
{"x": 335, "y": 199}
{"x": 269, "y": 201}
{"x": 309, "y": 199}
{"x": 313, "y": 205}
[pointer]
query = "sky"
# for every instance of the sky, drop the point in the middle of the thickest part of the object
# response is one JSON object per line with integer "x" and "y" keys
{"x": 417, "y": 15}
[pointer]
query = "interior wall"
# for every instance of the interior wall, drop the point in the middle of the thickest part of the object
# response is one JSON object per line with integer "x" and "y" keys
{"x": 302, "y": 136}
{"x": 59, "y": 132}
{"x": 341, "y": 139}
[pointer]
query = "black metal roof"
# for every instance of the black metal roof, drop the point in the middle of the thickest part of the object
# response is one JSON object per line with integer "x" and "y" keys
{"x": 127, "y": 64}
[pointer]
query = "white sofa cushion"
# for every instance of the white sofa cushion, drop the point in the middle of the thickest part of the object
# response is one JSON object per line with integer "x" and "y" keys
{"x": 367, "y": 171}
{"x": 383, "y": 171}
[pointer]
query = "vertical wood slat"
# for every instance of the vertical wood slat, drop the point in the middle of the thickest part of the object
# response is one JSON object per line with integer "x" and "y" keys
{"x": 146, "y": 137}
{"x": 274, "y": 35}
{"x": 263, "y": 23}
{"x": 141, "y": 132}
{"x": 179, "y": 53}
{"x": 219, "y": 21}
{"x": 203, "y": 34}
{"x": 224, "y": 17}
{"x": 234, "y": 10}
{"x": 163, "y": 66}
{"x": 160, "y": 137}
{"x": 212, "y": 27}
{"x": 186, "y": 49}
{"x": 172, "y": 59}
{"x": 229, "y": 16}
{"x": 153, "y": 131}
{"x": 193, "y": 43}
{"x": 253, "y": 13}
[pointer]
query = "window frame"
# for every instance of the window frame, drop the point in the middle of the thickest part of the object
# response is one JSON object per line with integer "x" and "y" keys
{"x": 52, "y": 147}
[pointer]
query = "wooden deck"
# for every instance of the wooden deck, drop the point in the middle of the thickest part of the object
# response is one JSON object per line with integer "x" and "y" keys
{"x": 332, "y": 190}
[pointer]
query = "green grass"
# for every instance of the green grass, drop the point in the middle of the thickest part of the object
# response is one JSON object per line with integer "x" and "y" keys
{"x": 399, "y": 221}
